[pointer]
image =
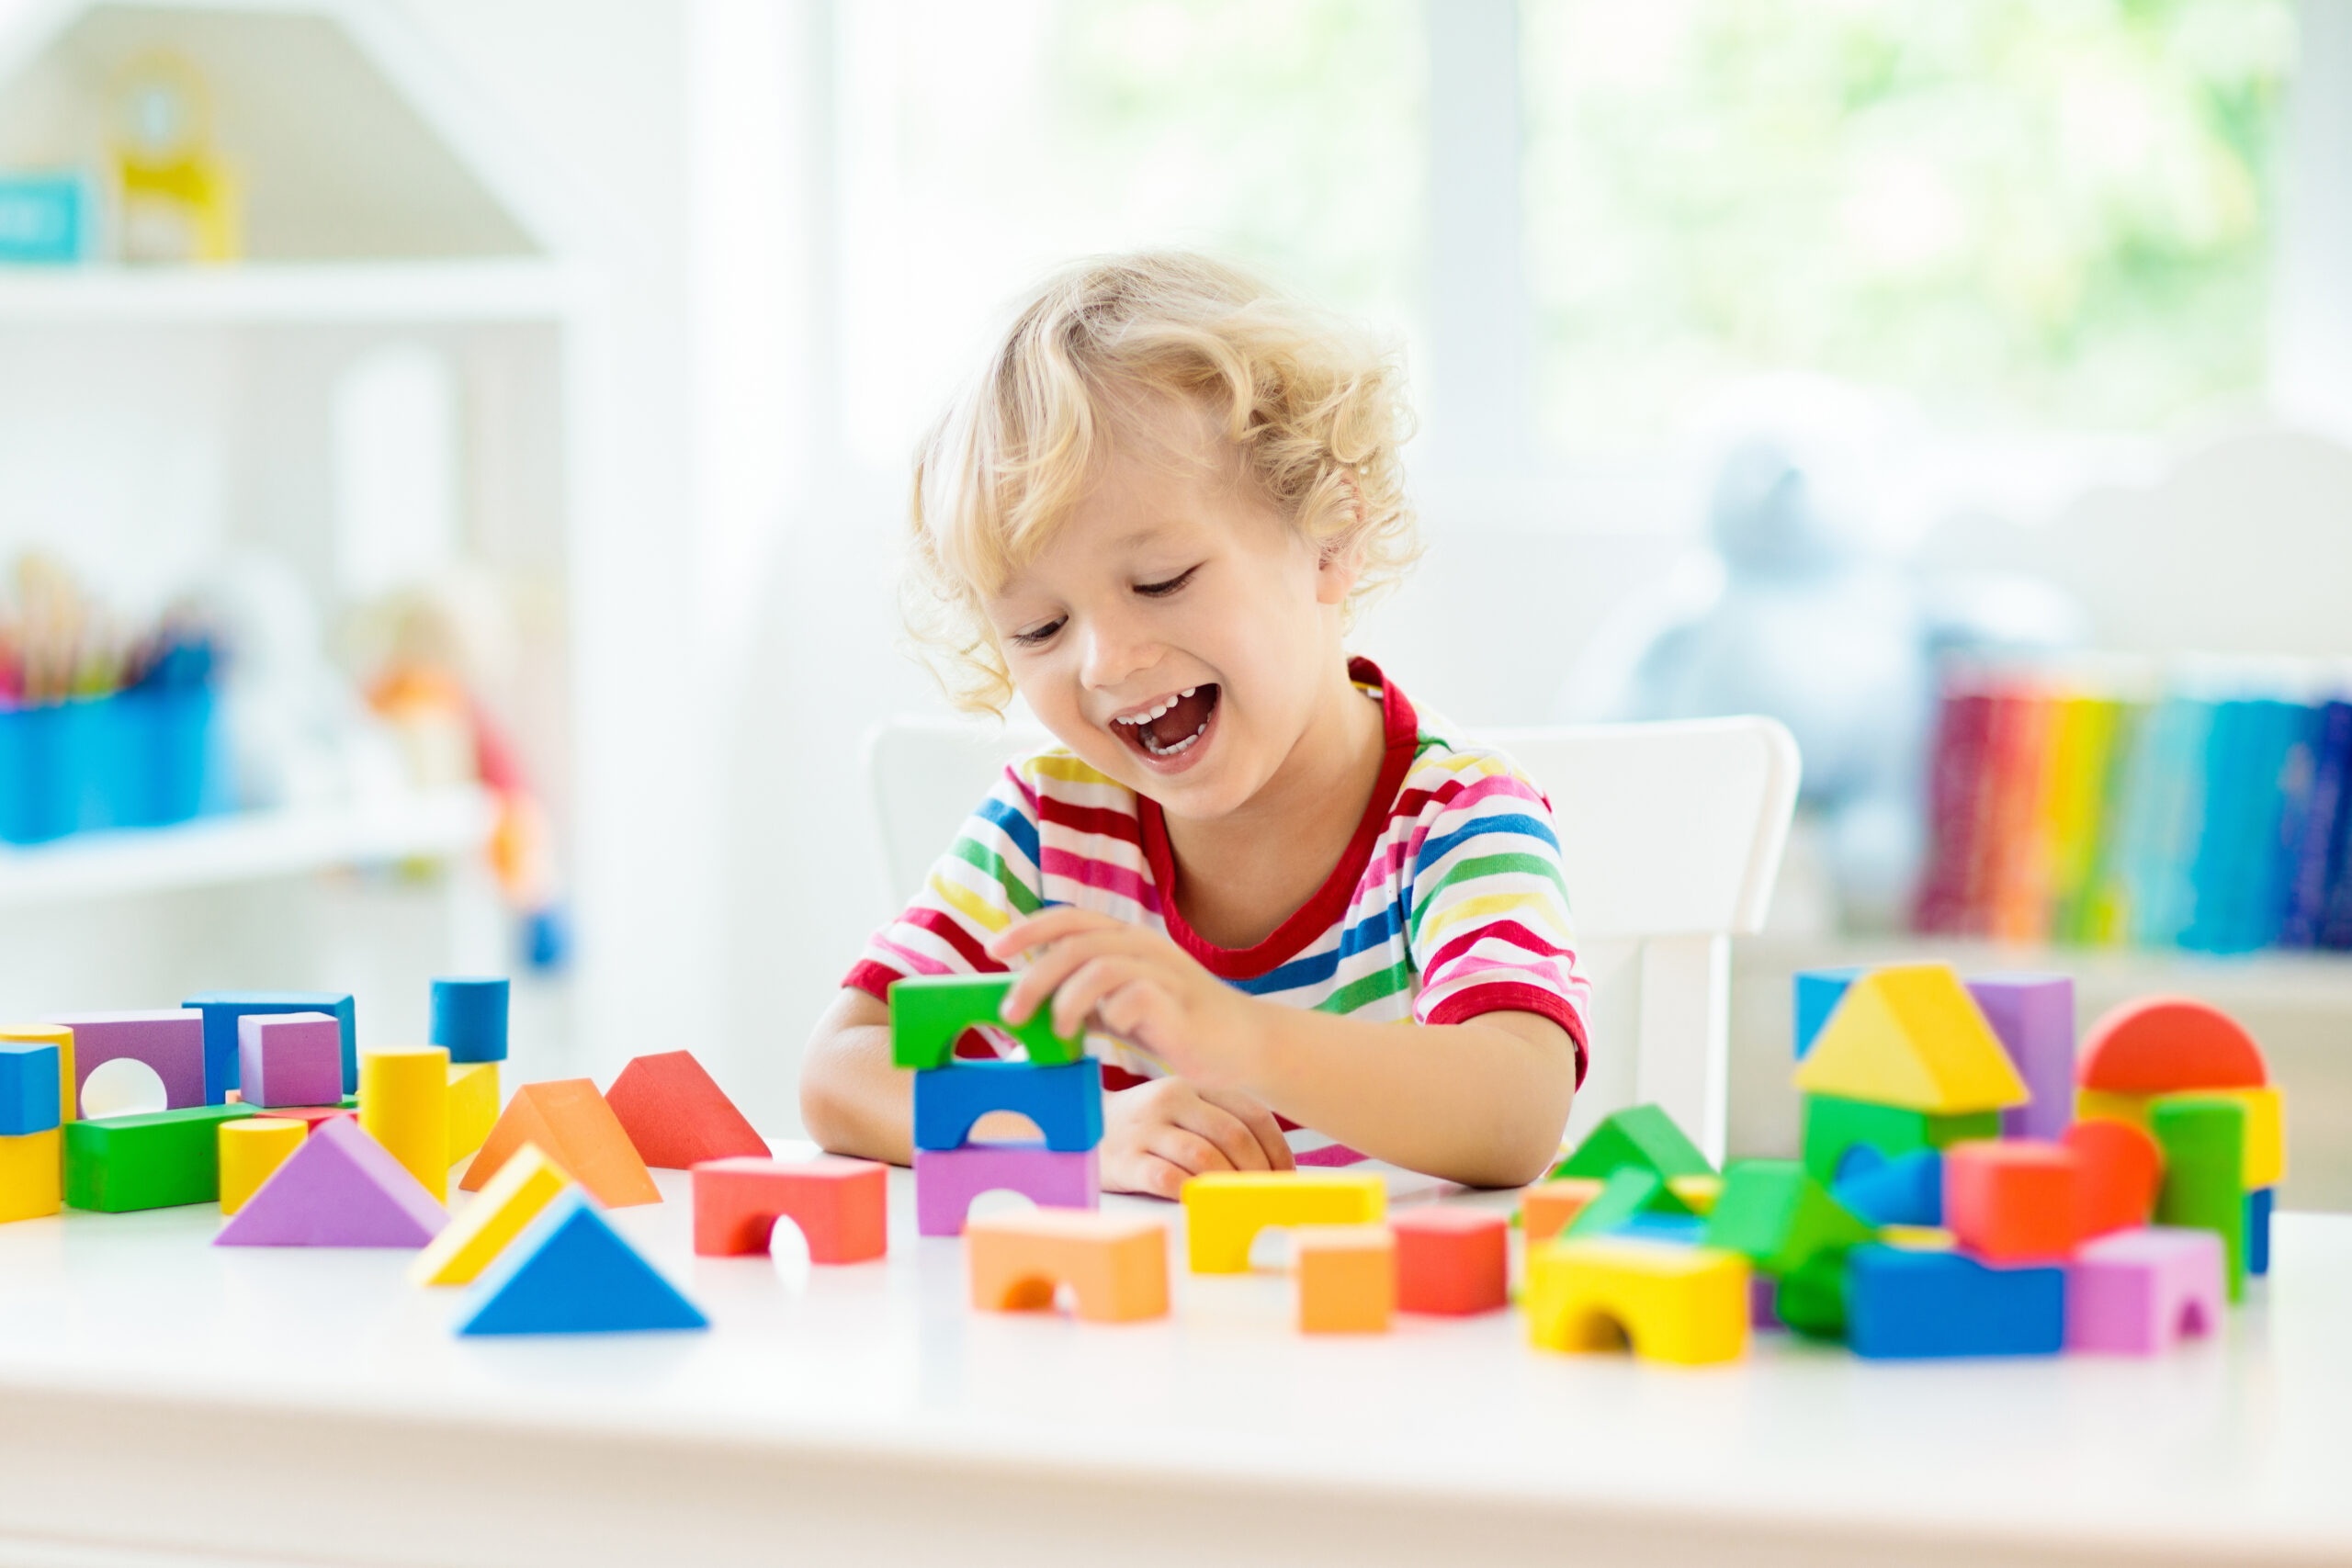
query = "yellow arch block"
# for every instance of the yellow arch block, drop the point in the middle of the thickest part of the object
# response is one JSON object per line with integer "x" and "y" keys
{"x": 1225, "y": 1210}
{"x": 1683, "y": 1305}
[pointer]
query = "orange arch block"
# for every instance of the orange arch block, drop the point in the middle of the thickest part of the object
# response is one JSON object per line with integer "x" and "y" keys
{"x": 2162, "y": 1045}
{"x": 1116, "y": 1265}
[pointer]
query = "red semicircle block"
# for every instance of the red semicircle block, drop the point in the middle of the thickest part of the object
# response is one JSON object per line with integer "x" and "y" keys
{"x": 2114, "y": 1186}
{"x": 2164, "y": 1044}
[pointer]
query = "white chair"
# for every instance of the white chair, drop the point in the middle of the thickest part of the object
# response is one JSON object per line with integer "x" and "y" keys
{"x": 1670, "y": 837}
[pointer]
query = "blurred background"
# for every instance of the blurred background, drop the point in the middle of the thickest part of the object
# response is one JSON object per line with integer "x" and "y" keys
{"x": 452, "y": 452}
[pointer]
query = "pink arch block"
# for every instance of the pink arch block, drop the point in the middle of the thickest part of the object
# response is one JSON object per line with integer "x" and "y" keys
{"x": 2139, "y": 1293}
{"x": 947, "y": 1180}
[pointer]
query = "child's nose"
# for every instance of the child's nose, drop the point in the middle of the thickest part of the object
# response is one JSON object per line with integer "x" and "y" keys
{"x": 1114, "y": 652}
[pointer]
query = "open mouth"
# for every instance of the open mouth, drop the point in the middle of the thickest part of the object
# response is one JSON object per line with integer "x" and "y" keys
{"x": 1171, "y": 729}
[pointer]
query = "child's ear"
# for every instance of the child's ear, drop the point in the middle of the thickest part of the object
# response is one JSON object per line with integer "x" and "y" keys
{"x": 1340, "y": 559}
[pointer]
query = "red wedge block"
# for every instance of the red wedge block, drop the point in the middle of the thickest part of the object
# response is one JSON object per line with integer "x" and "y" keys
{"x": 676, "y": 1116}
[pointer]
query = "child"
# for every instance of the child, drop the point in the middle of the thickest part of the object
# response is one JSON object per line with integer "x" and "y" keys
{"x": 1280, "y": 895}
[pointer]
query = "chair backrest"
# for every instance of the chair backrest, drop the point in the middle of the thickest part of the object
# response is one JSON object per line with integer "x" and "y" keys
{"x": 1670, "y": 838}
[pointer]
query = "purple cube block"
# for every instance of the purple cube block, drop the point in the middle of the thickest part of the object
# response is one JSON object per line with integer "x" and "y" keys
{"x": 2139, "y": 1293}
{"x": 947, "y": 1180}
{"x": 290, "y": 1059}
{"x": 169, "y": 1040}
{"x": 2034, "y": 1017}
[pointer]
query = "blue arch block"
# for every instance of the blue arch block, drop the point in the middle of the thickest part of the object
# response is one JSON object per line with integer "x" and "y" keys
{"x": 1066, "y": 1101}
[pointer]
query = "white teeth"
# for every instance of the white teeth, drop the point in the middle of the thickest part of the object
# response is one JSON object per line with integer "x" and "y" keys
{"x": 1188, "y": 691}
{"x": 1183, "y": 745}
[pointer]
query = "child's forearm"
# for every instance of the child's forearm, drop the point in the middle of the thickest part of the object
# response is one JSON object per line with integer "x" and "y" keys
{"x": 1482, "y": 1102}
{"x": 852, "y": 1100}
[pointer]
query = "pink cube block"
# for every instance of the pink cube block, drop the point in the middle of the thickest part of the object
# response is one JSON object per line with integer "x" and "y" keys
{"x": 2139, "y": 1293}
{"x": 169, "y": 1040}
{"x": 947, "y": 1180}
{"x": 290, "y": 1059}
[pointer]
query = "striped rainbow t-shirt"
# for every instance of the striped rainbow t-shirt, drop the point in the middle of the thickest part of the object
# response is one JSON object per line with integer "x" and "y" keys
{"x": 1447, "y": 903}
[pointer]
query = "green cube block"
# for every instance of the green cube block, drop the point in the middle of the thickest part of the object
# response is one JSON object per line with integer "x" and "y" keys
{"x": 1834, "y": 1128}
{"x": 2203, "y": 1138}
{"x": 929, "y": 1013}
{"x": 120, "y": 1163}
{"x": 1643, "y": 1138}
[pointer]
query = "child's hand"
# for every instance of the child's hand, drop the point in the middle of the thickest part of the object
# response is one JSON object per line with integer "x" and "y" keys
{"x": 1134, "y": 983}
{"x": 1156, "y": 1134}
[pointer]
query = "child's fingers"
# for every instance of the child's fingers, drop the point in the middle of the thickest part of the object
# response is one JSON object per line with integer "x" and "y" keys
{"x": 1090, "y": 991}
{"x": 1058, "y": 962}
{"x": 1154, "y": 1176}
{"x": 1236, "y": 1142}
{"x": 1187, "y": 1151}
{"x": 1038, "y": 930}
{"x": 1262, "y": 1125}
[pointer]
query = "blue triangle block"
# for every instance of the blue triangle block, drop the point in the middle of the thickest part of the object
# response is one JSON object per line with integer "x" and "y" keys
{"x": 569, "y": 1272}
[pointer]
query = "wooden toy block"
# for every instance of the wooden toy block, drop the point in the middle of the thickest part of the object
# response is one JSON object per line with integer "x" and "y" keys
{"x": 2033, "y": 1017}
{"x": 1911, "y": 1036}
{"x": 2120, "y": 1169}
{"x": 2139, "y": 1293}
{"x": 2012, "y": 1201}
{"x": 2265, "y": 1132}
{"x": 473, "y": 1106}
{"x": 249, "y": 1149}
{"x": 1066, "y": 1103}
{"x": 1905, "y": 1191}
{"x": 221, "y": 1010}
{"x": 1918, "y": 1238}
{"x": 1902, "y": 1304}
{"x": 470, "y": 1018}
{"x": 1546, "y": 1208}
{"x": 404, "y": 1106}
{"x": 1788, "y": 1226}
{"x": 1116, "y": 1265}
{"x": 61, "y": 1037}
{"x": 526, "y": 1184}
{"x": 31, "y": 1098}
{"x": 929, "y": 1013}
{"x": 1224, "y": 1210}
{"x": 120, "y": 1163}
{"x": 1698, "y": 1193}
{"x": 2257, "y": 1230}
{"x": 573, "y": 1126}
{"x": 2203, "y": 1140}
{"x": 1681, "y": 1305}
{"x": 1818, "y": 992}
{"x": 1763, "y": 1309}
{"x": 31, "y": 1174}
{"x": 947, "y": 1180}
{"x": 1643, "y": 1138}
{"x": 1625, "y": 1197}
{"x": 569, "y": 1272}
{"x": 1834, "y": 1128}
{"x": 340, "y": 1188}
{"x": 842, "y": 1206}
{"x": 289, "y": 1058}
{"x": 170, "y": 1041}
{"x": 2162, "y": 1044}
{"x": 1347, "y": 1278}
{"x": 1451, "y": 1261}
{"x": 678, "y": 1117}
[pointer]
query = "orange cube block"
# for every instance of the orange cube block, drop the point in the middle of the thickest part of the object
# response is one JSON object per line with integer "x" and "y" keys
{"x": 840, "y": 1205}
{"x": 1347, "y": 1278}
{"x": 1454, "y": 1261}
{"x": 1546, "y": 1208}
{"x": 1116, "y": 1265}
{"x": 2012, "y": 1201}
{"x": 2115, "y": 1187}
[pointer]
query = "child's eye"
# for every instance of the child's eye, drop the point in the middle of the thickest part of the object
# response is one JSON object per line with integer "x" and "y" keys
{"x": 1035, "y": 636}
{"x": 1161, "y": 590}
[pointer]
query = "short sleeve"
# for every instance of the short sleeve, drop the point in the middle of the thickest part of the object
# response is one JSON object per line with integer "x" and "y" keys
{"x": 988, "y": 879}
{"x": 1489, "y": 929}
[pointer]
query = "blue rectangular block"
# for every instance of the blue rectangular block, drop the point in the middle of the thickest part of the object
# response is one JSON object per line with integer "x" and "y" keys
{"x": 1065, "y": 1101}
{"x": 29, "y": 1098}
{"x": 1904, "y": 1304}
{"x": 1818, "y": 994}
{"x": 1905, "y": 1191}
{"x": 44, "y": 219}
{"x": 2257, "y": 1230}
{"x": 222, "y": 1008}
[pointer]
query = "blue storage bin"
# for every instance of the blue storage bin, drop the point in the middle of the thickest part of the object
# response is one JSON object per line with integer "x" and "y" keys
{"x": 41, "y": 771}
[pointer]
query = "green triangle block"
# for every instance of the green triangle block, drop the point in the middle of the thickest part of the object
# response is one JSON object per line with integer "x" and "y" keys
{"x": 1773, "y": 1212}
{"x": 1644, "y": 1138}
{"x": 1628, "y": 1192}
{"x": 569, "y": 1272}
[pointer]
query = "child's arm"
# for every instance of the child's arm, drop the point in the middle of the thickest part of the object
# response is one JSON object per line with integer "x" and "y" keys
{"x": 1481, "y": 1102}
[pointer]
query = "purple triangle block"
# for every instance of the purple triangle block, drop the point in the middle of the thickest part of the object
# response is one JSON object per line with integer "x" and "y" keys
{"x": 340, "y": 1189}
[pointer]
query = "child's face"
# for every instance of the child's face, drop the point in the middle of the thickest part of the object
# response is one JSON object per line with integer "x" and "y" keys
{"x": 1177, "y": 595}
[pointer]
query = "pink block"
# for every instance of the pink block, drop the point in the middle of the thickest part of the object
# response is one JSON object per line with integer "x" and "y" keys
{"x": 170, "y": 1039}
{"x": 2139, "y": 1293}
{"x": 947, "y": 1180}
{"x": 340, "y": 1189}
{"x": 290, "y": 1059}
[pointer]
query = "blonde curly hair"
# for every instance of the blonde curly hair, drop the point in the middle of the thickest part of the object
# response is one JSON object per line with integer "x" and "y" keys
{"x": 1314, "y": 411}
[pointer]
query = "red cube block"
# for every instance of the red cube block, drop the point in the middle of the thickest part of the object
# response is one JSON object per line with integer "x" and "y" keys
{"x": 840, "y": 1205}
{"x": 2012, "y": 1201}
{"x": 1451, "y": 1260}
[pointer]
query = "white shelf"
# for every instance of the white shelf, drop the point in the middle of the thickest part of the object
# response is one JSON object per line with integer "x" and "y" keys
{"x": 328, "y": 292}
{"x": 248, "y": 847}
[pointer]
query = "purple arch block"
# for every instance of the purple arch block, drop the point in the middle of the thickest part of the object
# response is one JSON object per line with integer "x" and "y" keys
{"x": 2139, "y": 1292}
{"x": 170, "y": 1039}
{"x": 947, "y": 1180}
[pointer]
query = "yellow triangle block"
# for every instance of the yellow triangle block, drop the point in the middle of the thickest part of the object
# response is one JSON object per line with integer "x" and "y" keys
{"x": 1912, "y": 1036}
{"x": 527, "y": 1183}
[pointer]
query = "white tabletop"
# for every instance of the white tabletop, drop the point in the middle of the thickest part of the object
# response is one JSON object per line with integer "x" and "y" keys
{"x": 165, "y": 1401}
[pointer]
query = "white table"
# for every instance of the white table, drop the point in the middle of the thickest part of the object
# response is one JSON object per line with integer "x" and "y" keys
{"x": 163, "y": 1401}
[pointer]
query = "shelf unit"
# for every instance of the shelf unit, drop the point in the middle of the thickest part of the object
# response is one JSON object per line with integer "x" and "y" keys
{"x": 340, "y": 293}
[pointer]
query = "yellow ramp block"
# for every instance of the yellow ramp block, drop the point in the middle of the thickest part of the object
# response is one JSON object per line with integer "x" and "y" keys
{"x": 1683, "y": 1305}
{"x": 405, "y": 1105}
{"x": 473, "y": 1106}
{"x": 1912, "y": 1036}
{"x": 527, "y": 1183}
{"x": 250, "y": 1148}
{"x": 61, "y": 1037}
{"x": 1225, "y": 1210}
{"x": 32, "y": 1174}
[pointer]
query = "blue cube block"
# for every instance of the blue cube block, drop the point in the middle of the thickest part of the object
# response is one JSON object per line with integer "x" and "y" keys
{"x": 29, "y": 1098}
{"x": 1818, "y": 994}
{"x": 1904, "y": 1304}
{"x": 1065, "y": 1101}
{"x": 1905, "y": 1191}
{"x": 222, "y": 1008}
{"x": 1684, "y": 1230}
{"x": 2257, "y": 1229}
{"x": 470, "y": 1018}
